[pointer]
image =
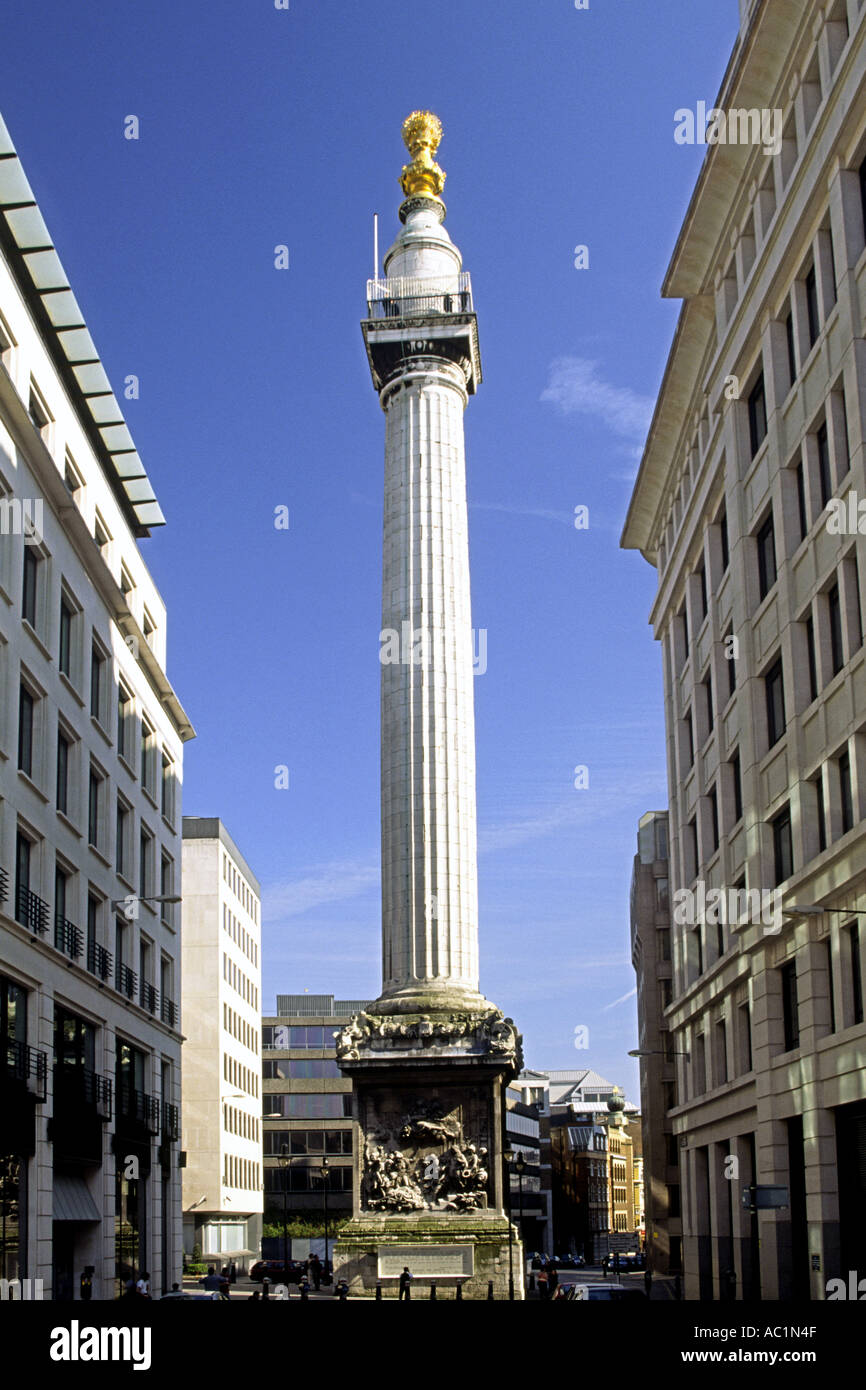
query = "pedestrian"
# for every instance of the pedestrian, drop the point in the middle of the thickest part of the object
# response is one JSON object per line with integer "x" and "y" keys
{"x": 342, "y": 1290}
{"x": 648, "y": 1281}
{"x": 406, "y": 1284}
{"x": 233, "y": 1273}
{"x": 316, "y": 1272}
{"x": 552, "y": 1280}
{"x": 266, "y": 1287}
{"x": 142, "y": 1288}
{"x": 253, "y": 1295}
{"x": 305, "y": 1289}
{"x": 543, "y": 1289}
{"x": 211, "y": 1281}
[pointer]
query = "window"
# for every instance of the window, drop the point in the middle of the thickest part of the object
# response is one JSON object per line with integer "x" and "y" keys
{"x": 825, "y": 483}
{"x": 64, "y": 656}
{"x": 664, "y": 940}
{"x": 801, "y": 500}
{"x": 814, "y": 321}
{"x": 766, "y": 557}
{"x": 100, "y": 534}
{"x": 63, "y": 746}
{"x": 148, "y": 627}
{"x": 702, "y": 577}
{"x": 811, "y": 658}
{"x": 30, "y": 589}
{"x": 729, "y": 649}
{"x": 121, "y": 849}
{"x": 22, "y": 873}
{"x": 737, "y": 781}
{"x": 775, "y": 693}
{"x": 707, "y": 687}
{"x": 818, "y": 784}
{"x": 7, "y": 343}
{"x": 792, "y": 356}
{"x": 145, "y": 864}
{"x": 167, "y": 788}
{"x": 744, "y": 1014}
{"x": 690, "y": 739}
{"x": 147, "y": 737}
{"x": 37, "y": 409}
{"x": 94, "y": 808}
{"x": 662, "y": 895}
{"x": 783, "y": 850}
{"x": 124, "y": 709}
{"x": 831, "y": 993}
{"x": 714, "y": 818}
{"x": 165, "y": 887}
{"x": 26, "y": 706}
{"x": 757, "y": 415}
{"x": 834, "y": 610}
{"x": 790, "y": 1005}
{"x": 723, "y": 539}
{"x": 855, "y": 971}
{"x": 71, "y": 476}
{"x": 97, "y": 682}
{"x": 845, "y": 793}
{"x": 721, "y": 1052}
{"x": 690, "y": 847}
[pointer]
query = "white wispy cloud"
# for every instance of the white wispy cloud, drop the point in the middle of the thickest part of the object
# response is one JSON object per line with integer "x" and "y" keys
{"x": 575, "y": 387}
{"x": 317, "y": 885}
{"x": 622, "y": 999}
{"x": 545, "y": 513}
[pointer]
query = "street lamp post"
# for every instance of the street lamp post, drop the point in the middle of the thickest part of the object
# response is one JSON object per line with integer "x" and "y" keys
{"x": 285, "y": 1161}
{"x": 519, "y": 1166}
{"x": 324, "y": 1172}
{"x": 508, "y": 1158}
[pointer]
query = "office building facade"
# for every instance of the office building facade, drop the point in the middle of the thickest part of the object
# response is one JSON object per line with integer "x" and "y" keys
{"x": 747, "y": 504}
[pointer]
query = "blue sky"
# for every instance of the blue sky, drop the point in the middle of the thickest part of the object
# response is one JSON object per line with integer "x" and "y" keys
{"x": 261, "y": 127}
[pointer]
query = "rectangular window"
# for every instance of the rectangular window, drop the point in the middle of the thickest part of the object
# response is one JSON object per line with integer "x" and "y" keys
{"x": 757, "y": 415}
{"x": 167, "y": 788}
{"x": 801, "y": 501}
{"x": 811, "y": 284}
{"x": 121, "y": 855}
{"x": 790, "y": 1005}
{"x": 825, "y": 482}
{"x": 775, "y": 693}
{"x": 64, "y": 655}
{"x": 811, "y": 658}
{"x": 856, "y": 972}
{"x": 783, "y": 849}
{"x": 147, "y": 736}
{"x": 818, "y": 784}
{"x": 708, "y": 702}
{"x": 702, "y": 576}
{"x": 144, "y": 864}
{"x": 124, "y": 708}
{"x": 26, "y": 706}
{"x": 94, "y": 807}
{"x": 737, "y": 780}
{"x": 766, "y": 557}
{"x": 792, "y": 356}
{"x": 723, "y": 540}
{"x": 745, "y": 1017}
{"x": 37, "y": 409}
{"x": 63, "y": 746}
{"x": 721, "y": 1053}
{"x": 97, "y": 682}
{"x": 730, "y": 647}
{"x": 690, "y": 739}
{"x": 845, "y": 792}
{"x": 714, "y": 818}
{"x": 29, "y": 592}
{"x": 834, "y": 609}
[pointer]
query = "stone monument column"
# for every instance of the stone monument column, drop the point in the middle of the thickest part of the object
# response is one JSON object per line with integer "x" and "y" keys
{"x": 430, "y": 1058}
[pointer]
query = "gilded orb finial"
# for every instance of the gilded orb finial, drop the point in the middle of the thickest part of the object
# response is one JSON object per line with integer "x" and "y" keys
{"x": 423, "y": 178}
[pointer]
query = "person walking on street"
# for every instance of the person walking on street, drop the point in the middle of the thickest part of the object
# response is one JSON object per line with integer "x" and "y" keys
{"x": 316, "y": 1272}
{"x": 552, "y": 1280}
{"x": 406, "y": 1285}
{"x": 542, "y": 1281}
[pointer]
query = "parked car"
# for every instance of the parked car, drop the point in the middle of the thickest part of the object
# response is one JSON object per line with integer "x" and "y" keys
{"x": 277, "y": 1272}
{"x": 598, "y": 1293}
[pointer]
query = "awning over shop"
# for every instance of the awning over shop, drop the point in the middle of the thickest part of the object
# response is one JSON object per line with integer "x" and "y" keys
{"x": 72, "y": 1200}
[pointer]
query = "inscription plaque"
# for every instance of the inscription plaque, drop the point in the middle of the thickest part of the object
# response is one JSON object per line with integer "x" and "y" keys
{"x": 427, "y": 1261}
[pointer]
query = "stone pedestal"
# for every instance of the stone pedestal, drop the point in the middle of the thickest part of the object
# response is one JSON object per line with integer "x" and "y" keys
{"x": 430, "y": 1193}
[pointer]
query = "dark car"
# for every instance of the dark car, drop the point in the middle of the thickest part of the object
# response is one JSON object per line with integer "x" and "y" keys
{"x": 277, "y": 1272}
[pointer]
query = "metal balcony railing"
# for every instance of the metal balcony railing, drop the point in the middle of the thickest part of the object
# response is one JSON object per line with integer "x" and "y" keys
{"x": 4, "y": 885}
{"x": 170, "y": 1121}
{"x": 125, "y": 980}
{"x": 82, "y": 1086}
{"x": 404, "y": 296}
{"x": 98, "y": 960}
{"x": 168, "y": 1012}
{"x": 138, "y": 1106}
{"x": 27, "y": 1065}
{"x": 67, "y": 937}
{"x": 31, "y": 911}
{"x": 149, "y": 997}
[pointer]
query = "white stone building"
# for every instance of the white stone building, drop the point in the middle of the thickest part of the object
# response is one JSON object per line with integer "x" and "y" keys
{"x": 758, "y": 434}
{"x": 222, "y": 1051}
{"x": 91, "y": 747}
